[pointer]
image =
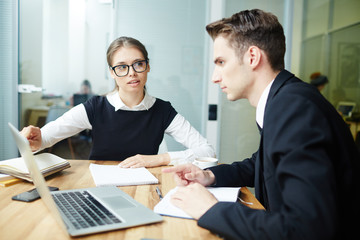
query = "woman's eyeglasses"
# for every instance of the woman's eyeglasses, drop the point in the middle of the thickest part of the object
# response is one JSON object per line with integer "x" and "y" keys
{"x": 123, "y": 69}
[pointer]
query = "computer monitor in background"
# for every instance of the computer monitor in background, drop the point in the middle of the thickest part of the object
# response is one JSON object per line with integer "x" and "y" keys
{"x": 346, "y": 108}
{"x": 81, "y": 98}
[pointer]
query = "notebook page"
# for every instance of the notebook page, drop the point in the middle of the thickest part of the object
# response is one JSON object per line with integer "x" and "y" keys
{"x": 113, "y": 175}
{"x": 165, "y": 207}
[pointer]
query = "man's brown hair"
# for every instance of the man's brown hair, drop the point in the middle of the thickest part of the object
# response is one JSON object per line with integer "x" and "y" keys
{"x": 253, "y": 28}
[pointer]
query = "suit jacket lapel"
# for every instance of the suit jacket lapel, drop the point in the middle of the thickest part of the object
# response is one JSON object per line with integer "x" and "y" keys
{"x": 260, "y": 185}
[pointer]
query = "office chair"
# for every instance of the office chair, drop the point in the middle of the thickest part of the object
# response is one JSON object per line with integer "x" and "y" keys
{"x": 53, "y": 114}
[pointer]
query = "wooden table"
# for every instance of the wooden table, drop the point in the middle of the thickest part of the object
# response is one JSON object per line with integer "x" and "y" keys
{"x": 19, "y": 220}
{"x": 354, "y": 127}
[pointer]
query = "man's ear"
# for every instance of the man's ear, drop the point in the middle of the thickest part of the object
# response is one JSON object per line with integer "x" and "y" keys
{"x": 254, "y": 56}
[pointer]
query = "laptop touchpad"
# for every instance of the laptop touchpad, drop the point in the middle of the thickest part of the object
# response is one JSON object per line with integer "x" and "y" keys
{"x": 118, "y": 202}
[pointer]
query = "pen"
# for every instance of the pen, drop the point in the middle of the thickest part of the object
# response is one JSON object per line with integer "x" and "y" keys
{"x": 159, "y": 193}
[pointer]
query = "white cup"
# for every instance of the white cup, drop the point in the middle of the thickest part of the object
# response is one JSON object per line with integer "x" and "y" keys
{"x": 205, "y": 162}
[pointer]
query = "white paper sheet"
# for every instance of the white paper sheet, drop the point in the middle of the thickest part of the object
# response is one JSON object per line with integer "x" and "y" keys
{"x": 113, "y": 175}
{"x": 165, "y": 207}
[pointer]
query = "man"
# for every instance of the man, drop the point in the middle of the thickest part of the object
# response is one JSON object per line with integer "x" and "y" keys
{"x": 304, "y": 170}
{"x": 319, "y": 81}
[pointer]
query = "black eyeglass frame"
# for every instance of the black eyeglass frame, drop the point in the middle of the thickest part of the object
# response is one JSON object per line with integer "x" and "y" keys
{"x": 128, "y": 67}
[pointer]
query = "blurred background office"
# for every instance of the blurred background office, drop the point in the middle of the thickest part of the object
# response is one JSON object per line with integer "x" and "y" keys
{"x": 55, "y": 44}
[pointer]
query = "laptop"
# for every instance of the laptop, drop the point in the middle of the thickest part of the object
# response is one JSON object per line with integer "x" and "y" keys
{"x": 346, "y": 108}
{"x": 88, "y": 210}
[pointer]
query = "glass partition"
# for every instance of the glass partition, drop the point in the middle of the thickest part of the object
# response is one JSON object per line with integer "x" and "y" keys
{"x": 344, "y": 73}
{"x": 63, "y": 42}
{"x": 331, "y": 46}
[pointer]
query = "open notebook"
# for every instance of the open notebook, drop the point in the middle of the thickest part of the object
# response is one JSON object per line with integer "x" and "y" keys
{"x": 113, "y": 175}
{"x": 47, "y": 162}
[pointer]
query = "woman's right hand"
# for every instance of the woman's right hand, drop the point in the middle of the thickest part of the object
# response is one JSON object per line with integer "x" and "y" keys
{"x": 33, "y": 135}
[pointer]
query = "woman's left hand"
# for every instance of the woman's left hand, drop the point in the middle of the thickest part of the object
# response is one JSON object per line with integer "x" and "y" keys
{"x": 145, "y": 161}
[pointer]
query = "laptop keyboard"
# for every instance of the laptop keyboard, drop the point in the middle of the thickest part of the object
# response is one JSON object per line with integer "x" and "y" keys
{"x": 83, "y": 210}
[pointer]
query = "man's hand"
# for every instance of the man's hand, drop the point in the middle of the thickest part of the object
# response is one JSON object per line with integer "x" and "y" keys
{"x": 194, "y": 199}
{"x": 33, "y": 135}
{"x": 145, "y": 161}
{"x": 189, "y": 173}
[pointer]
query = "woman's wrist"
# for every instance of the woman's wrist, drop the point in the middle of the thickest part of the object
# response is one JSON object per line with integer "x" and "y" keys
{"x": 164, "y": 159}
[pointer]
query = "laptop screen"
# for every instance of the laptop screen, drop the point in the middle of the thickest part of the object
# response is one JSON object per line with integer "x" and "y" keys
{"x": 38, "y": 179}
{"x": 346, "y": 108}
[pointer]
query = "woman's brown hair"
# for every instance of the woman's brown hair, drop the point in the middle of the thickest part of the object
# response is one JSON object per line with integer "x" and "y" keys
{"x": 124, "y": 42}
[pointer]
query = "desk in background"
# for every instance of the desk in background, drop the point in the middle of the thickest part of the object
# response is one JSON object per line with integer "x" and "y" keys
{"x": 21, "y": 220}
{"x": 354, "y": 127}
{"x": 37, "y": 116}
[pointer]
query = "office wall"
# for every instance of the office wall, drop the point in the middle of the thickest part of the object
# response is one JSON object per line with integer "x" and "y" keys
{"x": 331, "y": 45}
{"x": 55, "y": 46}
{"x": 97, "y": 40}
{"x": 75, "y": 41}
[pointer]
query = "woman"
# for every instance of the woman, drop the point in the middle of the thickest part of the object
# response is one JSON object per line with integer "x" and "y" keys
{"x": 127, "y": 124}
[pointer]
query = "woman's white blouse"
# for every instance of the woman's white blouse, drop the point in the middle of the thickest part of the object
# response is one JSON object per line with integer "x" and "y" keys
{"x": 76, "y": 120}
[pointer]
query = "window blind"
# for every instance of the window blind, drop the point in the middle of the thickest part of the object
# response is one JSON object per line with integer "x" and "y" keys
{"x": 8, "y": 76}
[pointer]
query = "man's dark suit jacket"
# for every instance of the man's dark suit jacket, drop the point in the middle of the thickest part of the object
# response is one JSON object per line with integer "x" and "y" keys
{"x": 305, "y": 172}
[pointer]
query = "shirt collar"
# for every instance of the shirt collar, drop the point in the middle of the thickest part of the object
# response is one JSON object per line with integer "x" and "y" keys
{"x": 115, "y": 100}
{"x": 260, "y": 109}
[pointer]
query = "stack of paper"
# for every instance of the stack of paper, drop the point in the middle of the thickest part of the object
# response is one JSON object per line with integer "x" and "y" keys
{"x": 8, "y": 180}
{"x": 48, "y": 164}
{"x": 4, "y": 177}
{"x": 113, "y": 175}
{"x": 165, "y": 207}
